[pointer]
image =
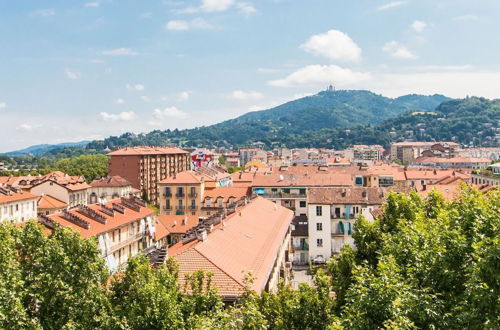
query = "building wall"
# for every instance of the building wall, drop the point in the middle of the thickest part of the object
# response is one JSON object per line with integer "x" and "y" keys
{"x": 199, "y": 190}
{"x": 104, "y": 194}
{"x": 319, "y": 251}
{"x": 53, "y": 189}
{"x": 281, "y": 264}
{"x": 19, "y": 211}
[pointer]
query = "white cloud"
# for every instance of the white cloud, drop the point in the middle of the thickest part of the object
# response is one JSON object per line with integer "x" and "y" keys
{"x": 92, "y": 4}
{"x": 181, "y": 25}
{"x": 3, "y": 105}
{"x": 43, "y": 12}
{"x": 136, "y": 87}
{"x": 419, "y": 26}
{"x": 120, "y": 52}
{"x": 170, "y": 112}
{"x": 334, "y": 45}
{"x": 246, "y": 8}
{"x": 392, "y": 4}
{"x": 216, "y": 5}
{"x": 245, "y": 96}
{"x": 26, "y": 127}
{"x": 314, "y": 75}
{"x": 469, "y": 17}
{"x": 71, "y": 74}
{"x": 145, "y": 98}
{"x": 120, "y": 101}
{"x": 184, "y": 96}
{"x": 397, "y": 50}
{"x": 122, "y": 116}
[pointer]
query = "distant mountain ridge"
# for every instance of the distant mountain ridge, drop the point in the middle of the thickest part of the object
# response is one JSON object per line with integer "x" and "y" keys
{"x": 41, "y": 149}
{"x": 325, "y": 110}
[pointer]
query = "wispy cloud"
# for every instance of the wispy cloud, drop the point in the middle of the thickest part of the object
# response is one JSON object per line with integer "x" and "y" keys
{"x": 184, "y": 96}
{"x": 315, "y": 75}
{"x": 120, "y": 52}
{"x": 392, "y": 4}
{"x": 27, "y": 127}
{"x": 397, "y": 50}
{"x": 170, "y": 112}
{"x": 43, "y": 12}
{"x": 70, "y": 74}
{"x": 246, "y": 8}
{"x": 93, "y": 4}
{"x": 182, "y": 25}
{"x": 419, "y": 26}
{"x": 120, "y": 101}
{"x": 135, "y": 87}
{"x": 245, "y": 95}
{"x": 122, "y": 116}
{"x": 3, "y": 105}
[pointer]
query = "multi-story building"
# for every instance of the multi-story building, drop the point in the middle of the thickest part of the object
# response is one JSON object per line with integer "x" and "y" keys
{"x": 72, "y": 190}
{"x": 111, "y": 187}
{"x": 251, "y": 237}
{"x": 490, "y": 153}
{"x": 367, "y": 152}
{"x": 332, "y": 213}
{"x": 455, "y": 162}
{"x": 408, "y": 151}
{"x": 246, "y": 154}
{"x": 17, "y": 206}
{"x": 123, "y": 227}
{"x": 50, "y": 205}
{"x": 487, "y": 177}
{"x": 144, "y": 167}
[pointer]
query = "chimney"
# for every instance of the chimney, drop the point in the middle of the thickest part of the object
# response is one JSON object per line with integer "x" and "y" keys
{"x": 201, "y": 235}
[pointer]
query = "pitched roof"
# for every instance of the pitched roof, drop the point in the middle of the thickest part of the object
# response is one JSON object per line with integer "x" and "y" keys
{"x": 145, "y": 150}
{"x": 111, "y": 181}
{"x": 176, "y": 224}
{"x": 352, "y": 195}
{"x": 227, "y": 192}
{"x": 8, "y": 196}
{"x": 49, "y": 202}
{"x": 248, "y": 242}
{"x": 117, "y": 220}
{"x": 185, "y": 177}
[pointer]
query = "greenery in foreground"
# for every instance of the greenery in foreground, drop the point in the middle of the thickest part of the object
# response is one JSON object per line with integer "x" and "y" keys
{"x": 427, "y": 264}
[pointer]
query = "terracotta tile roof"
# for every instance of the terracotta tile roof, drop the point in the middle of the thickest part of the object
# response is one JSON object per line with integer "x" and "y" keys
{"x": 144, "y": 150}
{"x": 418, "y": 174}
{"x": 49, "y": 202}
{"x": 306, "y": 180}
{"x": 451, "y": 160}
{"x": 96, "y": 228}
{"x": 111, "y": 181}
{"x": 185, "y": 177}
{"x": 175, "y": 224}
{"x": 248, "y": 242}
{"x": 227, "y": 192}
{"x": 352, "y": 195}
{"x": 449, "y": 191}
{"x": 7, "y": 196}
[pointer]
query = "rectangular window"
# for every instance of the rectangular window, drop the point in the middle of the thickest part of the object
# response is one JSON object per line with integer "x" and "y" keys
{"x": 302, "y": 203}
{"x": 319, "y": 242}
{"x": 319, "y": 226}
{"x": 319, "y": 211}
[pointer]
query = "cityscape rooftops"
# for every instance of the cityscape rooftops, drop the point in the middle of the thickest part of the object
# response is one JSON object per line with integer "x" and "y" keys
{"x": 111, "y": 181}
{"x": 353, "y": 195}
{"x": 10, "y": 194}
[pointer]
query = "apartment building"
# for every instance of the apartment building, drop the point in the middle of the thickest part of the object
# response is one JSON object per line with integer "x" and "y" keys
{"x": 251, "y": 237}
{"x": 490, "y": 153}
{"x": 111, "y": 187}
{"x": 17, "y": 206}
{"x": 246, "y": 154}
{"x": 123, "y": 227}
{"x": 367, "y": 152}
{"x": 145, "y": 166}
{"x": 455, "y": 162}
{"x": 408, "y": 151}
{"x": 72, "y": 191}
{"x": 332, "y": 214}
{"x": 181, "y": 193}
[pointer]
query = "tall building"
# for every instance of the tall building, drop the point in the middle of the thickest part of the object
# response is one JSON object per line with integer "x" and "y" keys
{"x": 144, "y": 166}
{"x": 408, "y": 151}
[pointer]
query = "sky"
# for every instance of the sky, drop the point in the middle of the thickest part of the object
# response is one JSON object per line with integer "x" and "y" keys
{"x": 83, "y": 70}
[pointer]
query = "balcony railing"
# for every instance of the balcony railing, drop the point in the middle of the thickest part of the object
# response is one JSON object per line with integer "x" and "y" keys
{"x": 167, "y": 207}
{"x": 169, "y": 194}
{"x": 283, "y": 195}
{"x": 180, "y": 207}
{"x": 193, "y": 207}
{"x": 180, "y": 195}
{"x": 193, "y": 195}
{"x": 301, "y": 247}
{"x": 125, "y": 242}
{"x": 211, "y": 207}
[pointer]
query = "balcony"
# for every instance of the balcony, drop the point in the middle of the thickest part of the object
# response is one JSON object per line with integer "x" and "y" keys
{"x": 193, "y": 207}
{"x": 283, "y": 195}
{"x": 180, "y": 195}
{"x": 125, "y": 242}
{"x": 167, "y": 207}
{"x": 301, "y": 247}
{"x": 169, "y": 194}
{"x": 180, "y": 207}
{"x": 193, "y": 195}
{"x": 211, "y": 207}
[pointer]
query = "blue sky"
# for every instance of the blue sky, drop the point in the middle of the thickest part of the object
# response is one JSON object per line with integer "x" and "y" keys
{"x": 75, "y": 70}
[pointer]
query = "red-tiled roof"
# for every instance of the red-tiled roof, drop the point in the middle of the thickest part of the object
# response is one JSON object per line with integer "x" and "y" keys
{"x": 248, "y": 242}
{"x": 49, "y": 202}
{"x": 351, "y": 195}
{"x": 112, "y": 222}
{"x": 227, "y": 192}
{"x": 15, "y": 196}
{"x": 176, "y": 224}
{"x": 111, "y": 181}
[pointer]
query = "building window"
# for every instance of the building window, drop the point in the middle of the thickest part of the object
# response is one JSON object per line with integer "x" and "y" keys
{"x": 319, "y": 211}
{"x": 302, "y": 203}
{"x": 319, "y": 242}
{"x": 319, "y": 226}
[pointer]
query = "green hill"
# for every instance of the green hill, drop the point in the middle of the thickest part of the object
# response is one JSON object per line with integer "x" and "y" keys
{"x": 325, "y": 110}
